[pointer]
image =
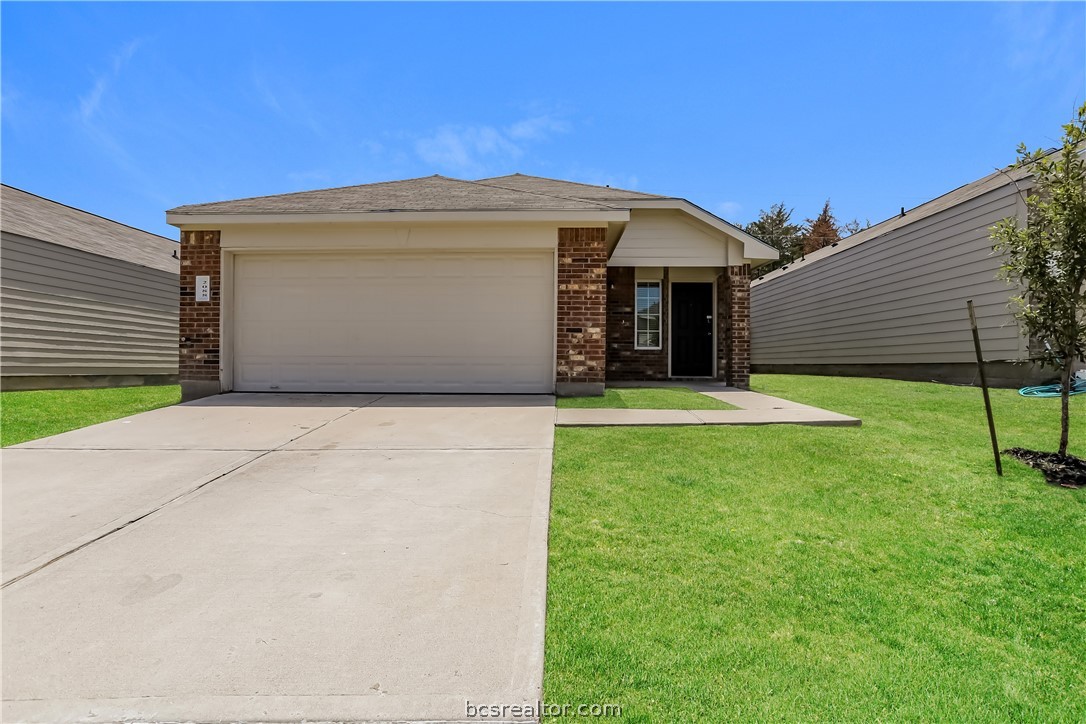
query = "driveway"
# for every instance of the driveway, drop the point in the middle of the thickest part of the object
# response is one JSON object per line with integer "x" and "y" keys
{"x": 279, "y": 557}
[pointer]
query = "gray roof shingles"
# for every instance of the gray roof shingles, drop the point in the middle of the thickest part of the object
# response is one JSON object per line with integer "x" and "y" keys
{"x": 430, "y": 193}
{"x": 572, "y": 189}
{"x": 26, "y": 214}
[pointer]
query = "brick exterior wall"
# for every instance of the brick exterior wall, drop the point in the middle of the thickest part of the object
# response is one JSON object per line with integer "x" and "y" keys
{"x": 733, "y": 333}
{"x": 623, "y": 361}
{"x": 582, "y": 305}
{"x": 199, "y": 322}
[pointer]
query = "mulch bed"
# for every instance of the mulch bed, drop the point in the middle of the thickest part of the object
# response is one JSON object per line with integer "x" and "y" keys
{"x": 1067, "y": 471}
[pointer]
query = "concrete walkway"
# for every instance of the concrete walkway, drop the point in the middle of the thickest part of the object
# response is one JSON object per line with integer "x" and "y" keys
{"x": 754, "y": 409}
{"x": 279, "y": 558}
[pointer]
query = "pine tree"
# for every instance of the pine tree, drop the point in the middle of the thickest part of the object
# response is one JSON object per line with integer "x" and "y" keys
{"x": 822, "y": 231}
{"x": 775, "y": 228}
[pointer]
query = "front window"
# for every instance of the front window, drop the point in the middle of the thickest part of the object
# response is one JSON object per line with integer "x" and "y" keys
{"x": 647, "y": 324}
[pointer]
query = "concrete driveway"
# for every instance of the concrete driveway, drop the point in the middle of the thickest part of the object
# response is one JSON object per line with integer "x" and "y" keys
{"x": 279, "y": 557}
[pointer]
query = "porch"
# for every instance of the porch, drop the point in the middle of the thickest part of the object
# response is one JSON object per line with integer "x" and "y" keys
{"x": 678, "y": 323}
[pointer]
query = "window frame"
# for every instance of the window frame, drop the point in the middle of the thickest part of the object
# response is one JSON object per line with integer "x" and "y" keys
{"x": 648, "y": 283}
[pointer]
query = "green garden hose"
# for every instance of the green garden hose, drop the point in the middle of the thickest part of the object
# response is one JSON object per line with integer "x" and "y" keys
{"x": 1078, "y": 387}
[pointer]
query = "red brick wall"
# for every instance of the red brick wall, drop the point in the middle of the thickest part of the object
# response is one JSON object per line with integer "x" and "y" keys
{"x": 199, "y": 321}
{"x": 582, "y": 305}
{"x": 623, "y": 361}
{"x": 733, "y": 335}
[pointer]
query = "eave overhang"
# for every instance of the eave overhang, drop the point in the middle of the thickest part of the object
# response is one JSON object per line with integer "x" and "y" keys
{"x": 216, "y": 221}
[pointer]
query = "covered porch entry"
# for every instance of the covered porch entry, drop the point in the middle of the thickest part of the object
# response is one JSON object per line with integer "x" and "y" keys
{"x": 667, "y": 323}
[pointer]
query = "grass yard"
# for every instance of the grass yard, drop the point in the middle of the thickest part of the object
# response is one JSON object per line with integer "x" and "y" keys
{"x": 30, "y": 415}
{"x": 647, "y": 398}
{"x": 787, "y": 573}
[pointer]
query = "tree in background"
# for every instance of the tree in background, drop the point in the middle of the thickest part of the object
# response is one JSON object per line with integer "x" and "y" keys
{"x": 851, "y": 227}
{"x": 1046, "y": 256}
{"x": 775, "y": 228}
{"x": 821, "y": 231}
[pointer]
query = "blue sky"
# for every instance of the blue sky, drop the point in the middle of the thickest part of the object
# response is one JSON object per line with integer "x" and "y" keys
{"x": 129, "y": 109}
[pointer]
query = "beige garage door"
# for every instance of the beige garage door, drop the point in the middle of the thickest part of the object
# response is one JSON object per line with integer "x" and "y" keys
{"x": 397, "y": 322}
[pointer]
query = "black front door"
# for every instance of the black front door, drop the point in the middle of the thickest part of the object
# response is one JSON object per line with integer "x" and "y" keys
{"x": 692, "y": 329}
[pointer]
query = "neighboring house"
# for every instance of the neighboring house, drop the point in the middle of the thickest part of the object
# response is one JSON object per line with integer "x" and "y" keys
{"x": 509, "y": 284}
{"x": 889, "y": 301}
{"x": 86, "y": 302}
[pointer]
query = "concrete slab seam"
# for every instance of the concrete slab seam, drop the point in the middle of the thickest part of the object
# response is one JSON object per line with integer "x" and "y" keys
{"x": 101, "y": 531}
{"x": 186, "y": 494}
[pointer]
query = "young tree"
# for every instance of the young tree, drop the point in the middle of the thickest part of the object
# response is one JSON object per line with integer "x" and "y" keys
{"x": 775, "y": 228}
{"x": 1045, "y": 255}
{"x": 822, "y": 231}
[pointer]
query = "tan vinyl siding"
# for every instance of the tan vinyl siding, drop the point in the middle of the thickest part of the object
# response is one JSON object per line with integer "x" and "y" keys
{"x": 68, "y": 312}
{"x": 669, "y": 238}
{"x": 898, "y": 298}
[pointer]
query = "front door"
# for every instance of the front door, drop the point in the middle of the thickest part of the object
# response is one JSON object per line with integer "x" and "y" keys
{"x": 692, "y": 329}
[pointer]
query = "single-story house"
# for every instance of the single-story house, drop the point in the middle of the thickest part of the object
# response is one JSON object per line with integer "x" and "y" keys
{"x": 86, "y": 301}
{"x": 890, "y": 301}
{"x": 511, "y": 284}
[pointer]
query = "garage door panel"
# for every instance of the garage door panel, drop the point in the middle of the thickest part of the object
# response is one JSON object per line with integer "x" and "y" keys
{"x": 470, "y": 322}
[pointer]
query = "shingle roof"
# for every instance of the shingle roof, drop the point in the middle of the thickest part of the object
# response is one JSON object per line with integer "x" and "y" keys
{"x": 430, "y": 193}
{"x": 571, "y": 189}
{"x": 26, "y": 214}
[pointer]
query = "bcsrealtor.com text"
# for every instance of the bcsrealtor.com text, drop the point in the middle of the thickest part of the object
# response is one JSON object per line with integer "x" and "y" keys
{"x": 538, "y": 710}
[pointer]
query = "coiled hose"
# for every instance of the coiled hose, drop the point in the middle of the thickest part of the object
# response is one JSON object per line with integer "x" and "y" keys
{"x": 1078, "y": 387}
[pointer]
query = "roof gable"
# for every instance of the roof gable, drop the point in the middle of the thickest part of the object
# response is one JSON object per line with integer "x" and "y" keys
{"x": 516, "y": 194}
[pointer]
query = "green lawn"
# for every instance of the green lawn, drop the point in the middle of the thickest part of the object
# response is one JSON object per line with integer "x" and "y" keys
{"x": 30, "y": 415}
{"x": 787, "y": 573}
{"x": 648, "y": 398}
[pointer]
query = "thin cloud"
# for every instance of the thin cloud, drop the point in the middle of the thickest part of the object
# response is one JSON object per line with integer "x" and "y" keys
{"x": 537, "y": 129}
{"x": 91, "y": 102}
{"x": 475, "y": 149}
{"x": 728, "y": 209}
{"x": 282, "y": 97}
{"x": 1042, "y": 47}
{"x": 97, "y": 119}
{"x": 466, "y": 149}
{"x": 1039, "y": 38}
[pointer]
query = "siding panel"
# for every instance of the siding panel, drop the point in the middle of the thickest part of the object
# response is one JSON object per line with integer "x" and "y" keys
{"x": 896, "y": 299}
{"x": 666, "y": 238}
{"x": 64, "y": 311}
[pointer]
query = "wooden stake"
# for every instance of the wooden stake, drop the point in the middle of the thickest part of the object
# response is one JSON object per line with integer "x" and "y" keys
{"x": 984, "y": 387}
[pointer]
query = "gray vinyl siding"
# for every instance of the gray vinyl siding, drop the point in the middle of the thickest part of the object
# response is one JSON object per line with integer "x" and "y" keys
{"x": 898, "y": 298}
{"x": 64, "y": 311}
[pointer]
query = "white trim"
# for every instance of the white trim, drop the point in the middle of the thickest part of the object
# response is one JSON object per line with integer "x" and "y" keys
{"x": 554, "y": 327}
{"x": 585, "y": 218}
{"x": 660, "y": 287}
{"x": 670, "y": 320}
{"x": 226, "y": 320}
